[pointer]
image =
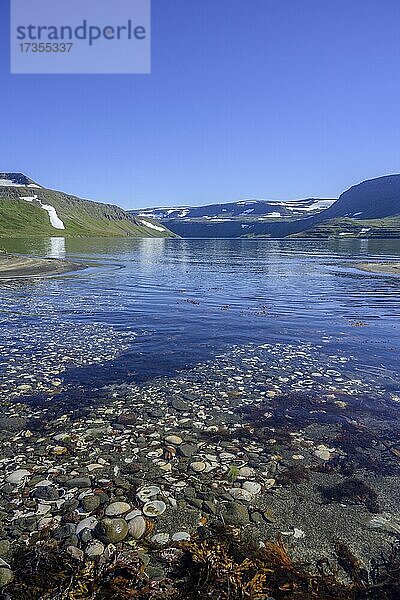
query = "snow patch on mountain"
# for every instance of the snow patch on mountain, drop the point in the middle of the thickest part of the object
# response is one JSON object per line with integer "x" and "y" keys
{"x": 55, "y": 220}
{"x": 151, "y": 225}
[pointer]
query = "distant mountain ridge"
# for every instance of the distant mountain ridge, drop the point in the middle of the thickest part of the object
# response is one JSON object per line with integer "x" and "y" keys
{"x": 368, "y": 209}
{"x": 27, "y": 208}
{"x": 268, "y": 209}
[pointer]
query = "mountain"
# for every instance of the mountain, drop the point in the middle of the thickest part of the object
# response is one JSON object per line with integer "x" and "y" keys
{"x": 27, "y": 208}
{"x": 369, "y": 209}
{"x": 232, "y": 219}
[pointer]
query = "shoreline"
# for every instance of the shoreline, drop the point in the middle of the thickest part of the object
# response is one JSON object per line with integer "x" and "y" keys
{"x": 16, "y": 267}
{"x": 387, "y": 268}
{"x": 152, "y": 472}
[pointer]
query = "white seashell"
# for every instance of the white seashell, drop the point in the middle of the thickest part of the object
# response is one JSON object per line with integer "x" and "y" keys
{"x": 137, "y": 527}
{"x": 161, "y": 538}
{"x": 198, "y": 466}
{"x": 18, "y": 476}
{"x": 252, "y": 486}
{"x": 155, "y": 453}
{"x": 117, "y": 508}
{"x": 154, "y": 508}
{"x": 180, "y": 536}
{"x": 174, "y": 439}
{"x": 147, "y": 492}
{"x": 131, "y": 515}
{"x": 240, "y": 494}
{"x": 89, "y": 523}
{"x": 95, "y": 548}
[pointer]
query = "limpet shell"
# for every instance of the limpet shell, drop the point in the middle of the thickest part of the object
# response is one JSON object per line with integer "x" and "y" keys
{"x": 147, "y": 492}
{"x": 137, "y": 527}
{"x": 154, "y": 508}
{"x": 161, "y": 538}
{"x": 181, "y": 536}
{"x": 117, "y": 508}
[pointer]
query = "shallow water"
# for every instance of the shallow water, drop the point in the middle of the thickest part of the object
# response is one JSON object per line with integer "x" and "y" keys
{"x": 149, "y": 307}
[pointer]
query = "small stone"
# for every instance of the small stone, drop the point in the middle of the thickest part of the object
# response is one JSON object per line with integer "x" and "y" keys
{"x": 252, "y": 486}
{"x": 246, "y": 472}
{"x": 155, "y": 573}
{"x": 187, "y": 450}
{"x": 117, "y": 508}
{"x": 111, "y": 531}
{"x": 235, "y": 514}
{"x": 78, "y": 482}
{"x": 46, "y": 493}
{"x": 6, "y": 576}
{"x": 174, "y": 439}
{"x": 90, "y": 503}
{"x": 198, "y": 466}
{"x": 17, "y": 477}
{"x": 179, "y": 405}
{"x": 323, "y": 452}
{"x": 240, "y": 494}
{"x": 4, "y": 547}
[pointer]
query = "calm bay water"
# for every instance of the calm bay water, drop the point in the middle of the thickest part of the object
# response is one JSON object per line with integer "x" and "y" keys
{"x": 175, "y": 303}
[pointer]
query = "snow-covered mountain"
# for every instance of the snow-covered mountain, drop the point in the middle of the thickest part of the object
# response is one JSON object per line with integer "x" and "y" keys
{"x": 248, "y": 209}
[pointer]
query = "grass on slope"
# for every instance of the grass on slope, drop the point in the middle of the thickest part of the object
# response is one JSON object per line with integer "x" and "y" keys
{"x": 81, "y": 217}
{"x": 388, "y": 227}
{"x": 18, "y": 217}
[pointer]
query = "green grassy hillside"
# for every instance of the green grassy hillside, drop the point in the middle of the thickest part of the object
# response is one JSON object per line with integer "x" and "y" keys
{"x": 80, "y": 217}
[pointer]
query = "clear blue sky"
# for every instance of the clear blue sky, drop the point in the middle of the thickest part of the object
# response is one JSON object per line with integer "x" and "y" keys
{"x": 249, "y": 98}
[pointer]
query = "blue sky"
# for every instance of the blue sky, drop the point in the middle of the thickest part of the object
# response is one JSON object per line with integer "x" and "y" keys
{"x": 247, "y": 99}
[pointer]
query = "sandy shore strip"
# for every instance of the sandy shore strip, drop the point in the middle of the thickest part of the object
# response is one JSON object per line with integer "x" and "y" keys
{"x": 389, "y": 268}
{"x": 21, "y": 266}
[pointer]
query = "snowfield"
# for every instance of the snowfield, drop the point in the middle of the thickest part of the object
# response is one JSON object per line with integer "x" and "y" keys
{"x": 55, "y": 220}
{"x": 151, "y": 225}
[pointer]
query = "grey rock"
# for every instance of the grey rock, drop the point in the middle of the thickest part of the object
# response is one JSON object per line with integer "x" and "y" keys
{"x": 187, "y": 450}
{"x": 12, "y": 423}
{"x": 46, "y": 493}
{"x": 179, "y": 405}
{"x": 234, "y": 513}
{"x": 78, "y": 482}
{"x": 90, "y": 503}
